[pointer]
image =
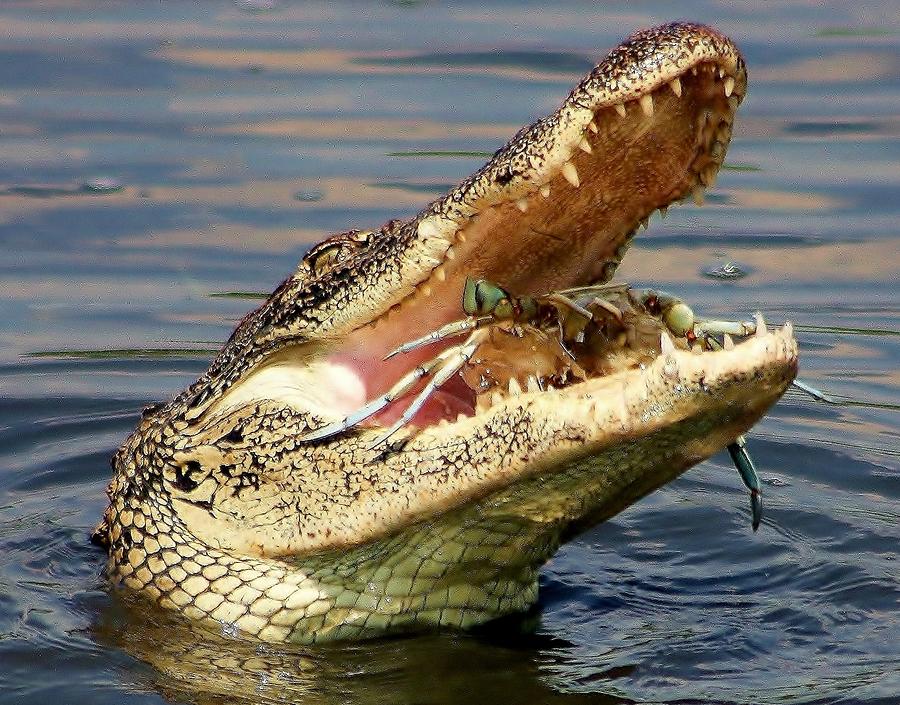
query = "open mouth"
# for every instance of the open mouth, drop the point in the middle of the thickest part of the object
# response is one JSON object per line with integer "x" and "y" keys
{"x": 556, "y": 208}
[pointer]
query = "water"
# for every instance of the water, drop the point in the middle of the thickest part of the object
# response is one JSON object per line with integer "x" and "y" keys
{"x": 157, "y": 157}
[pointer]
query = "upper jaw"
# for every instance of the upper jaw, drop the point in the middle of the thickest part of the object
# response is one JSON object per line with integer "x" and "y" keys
{"x": 649, "y": 126}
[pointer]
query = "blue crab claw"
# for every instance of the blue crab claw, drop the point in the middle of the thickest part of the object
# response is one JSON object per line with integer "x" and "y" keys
{"x": 741, "y": 459}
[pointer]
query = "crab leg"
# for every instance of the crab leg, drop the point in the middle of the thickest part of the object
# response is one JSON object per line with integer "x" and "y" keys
{"x": 401, "y": 388}
{"x": 448, "y": 364}
{"x": 448, "y": 330}
{"x": 742, "y": 461}
{"x": 713, "y": 327}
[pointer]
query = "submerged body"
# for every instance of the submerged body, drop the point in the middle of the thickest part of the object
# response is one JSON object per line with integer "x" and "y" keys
{"x": 229, "y": 503}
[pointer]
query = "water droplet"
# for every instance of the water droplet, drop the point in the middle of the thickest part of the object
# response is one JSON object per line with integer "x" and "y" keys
{"x": 255, "y": 6}
{"x": 727, "y": 271}
{"x": 102, "y": 184}
{"x": 230, "y": 630}
{"x": 308, "y": 196}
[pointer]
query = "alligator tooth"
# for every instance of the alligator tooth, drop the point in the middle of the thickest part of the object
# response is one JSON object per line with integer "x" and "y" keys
{"x": 620, "y": 108}
{"x": 531, "y": 384}
{"x": 545, "y": 190}
{"x": 550, "y": 388}
{"x": 727, "y": 342}
{"x": 645, "y": 223}
{"x": 592, "y": 126}
{"x": 666, "y": 345}
{"x": 522, "y": 204}
{"x": 460, "y": 235}
{"x": 496, "y": 397}
{"x": 675, "y": 85}
{"x": 721, "y": 72}
{"x": 761, "y": 329}
{"x": 646, "y": 102}
{"x": 694, "y": 70}
{"x": 514, "y": 386}
{"x": 663, "y": 212}
{"x": 570, "y": 173}
{"x": 425, "y": 290}
{"x": 584, "y": 145}
{"x": 788, "y": 329}
{"x": 440, "y": 274}
{"x": 729, "y": 86}
{"x": 698, "y": 194}
{"x": 450, "y": 253}
{"x": 461, "y": 417}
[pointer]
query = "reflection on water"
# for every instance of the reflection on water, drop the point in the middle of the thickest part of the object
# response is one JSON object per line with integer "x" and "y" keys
{"x": 163, "y": 165}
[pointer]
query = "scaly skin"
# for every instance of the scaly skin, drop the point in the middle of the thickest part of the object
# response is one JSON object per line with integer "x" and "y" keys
{"x": 219, "y": 511}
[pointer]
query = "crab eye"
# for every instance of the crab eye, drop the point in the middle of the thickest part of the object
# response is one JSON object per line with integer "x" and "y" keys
{"x": 485, "y": 298}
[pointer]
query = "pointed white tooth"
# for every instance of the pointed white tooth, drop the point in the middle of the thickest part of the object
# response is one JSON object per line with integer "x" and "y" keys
{"x": 496, "y": 397}
{"x": 584, "y": 145}
{"x": 761, "y": 329}
{"x": 592, "y": 126}
{"x": 729, "y": 86}
{"x": 727, "y": 342}
{"x": 666, "y": 345}
{"x": 425, "y": 290}
{"x": 550, "y": 388}
{"x": 460, "y": 417}
{"x": 645, "y": 222}
{"x": 620, "y": 108}
{"x": 514, "y": 386}
{"x": 460, "y": 235}
{"x": 646, "y": 102}
{"x": 450, "y": 253}
{"x": 675, "y": 85}
{"x": 698, "y": 195}
{"x": 440, "y": 274}
{"x": 570, "y": 174}
{"x": 532, "y": 385}
{"x": 522, "y": 204}
{"x": 721, "y": 72}
{"x": 545, "y": 190}
{"x": 788, "y": 329}
{"x": 694, "y": 70}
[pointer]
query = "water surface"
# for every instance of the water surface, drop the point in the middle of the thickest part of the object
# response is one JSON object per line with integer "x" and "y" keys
{"x": 162, "y": 163}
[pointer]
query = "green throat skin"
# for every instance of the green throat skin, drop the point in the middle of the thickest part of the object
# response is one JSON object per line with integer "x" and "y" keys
{"x": 225, "y": 507}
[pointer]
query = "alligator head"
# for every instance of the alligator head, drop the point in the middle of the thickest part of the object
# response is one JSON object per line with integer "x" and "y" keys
{"x": 220, "y": 510}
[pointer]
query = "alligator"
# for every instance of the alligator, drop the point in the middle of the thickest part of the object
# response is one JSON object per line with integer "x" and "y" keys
{"x": 230, "y": 506}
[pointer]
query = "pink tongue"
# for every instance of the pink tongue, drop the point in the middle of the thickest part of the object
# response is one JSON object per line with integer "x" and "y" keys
{"x": 369, "y": 378}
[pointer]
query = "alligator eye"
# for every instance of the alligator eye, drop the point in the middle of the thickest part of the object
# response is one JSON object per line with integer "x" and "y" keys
{"x": 331, "y": 252}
